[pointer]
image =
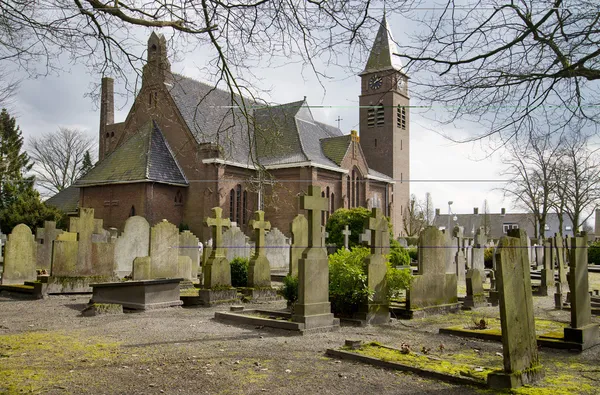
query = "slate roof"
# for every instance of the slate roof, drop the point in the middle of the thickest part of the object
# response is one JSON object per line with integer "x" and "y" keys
{"x": 382, "y": 53}
{"x": 335, "y": 148}
{"x": 144, "y": 157}
{"x": 66, "y": 200}
{"x": 471, "y": 222}
{"x": 288, "y": 134}
{"x": 214, "y": 116}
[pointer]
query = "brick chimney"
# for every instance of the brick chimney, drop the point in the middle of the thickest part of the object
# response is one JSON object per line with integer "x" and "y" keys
{"x": 476, "y": 210}
{"x": 503, "y": 211}
{"x": 437, "y": 212}
{"x": 107, "y": 114}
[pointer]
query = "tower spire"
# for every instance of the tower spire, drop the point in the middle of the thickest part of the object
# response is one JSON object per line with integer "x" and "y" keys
{"x": 382, "y": 56}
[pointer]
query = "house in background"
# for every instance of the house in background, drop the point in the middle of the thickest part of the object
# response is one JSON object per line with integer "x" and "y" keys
{"x": 499, "y": 223}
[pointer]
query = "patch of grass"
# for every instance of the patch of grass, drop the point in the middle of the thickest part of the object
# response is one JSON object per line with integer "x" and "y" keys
{"x": 33, "y": 362}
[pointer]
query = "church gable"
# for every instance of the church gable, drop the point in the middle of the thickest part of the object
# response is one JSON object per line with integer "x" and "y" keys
{"x": 354, "y": 155}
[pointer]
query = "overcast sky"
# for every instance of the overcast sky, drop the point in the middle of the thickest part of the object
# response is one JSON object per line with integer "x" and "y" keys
{"x": 437, "y": 165}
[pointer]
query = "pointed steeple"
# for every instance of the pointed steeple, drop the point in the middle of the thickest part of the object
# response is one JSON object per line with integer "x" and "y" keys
{"x": 382, "y": 54}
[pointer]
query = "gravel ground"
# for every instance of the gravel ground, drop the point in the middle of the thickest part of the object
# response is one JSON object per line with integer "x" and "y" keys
{"x": 184, "y": 351}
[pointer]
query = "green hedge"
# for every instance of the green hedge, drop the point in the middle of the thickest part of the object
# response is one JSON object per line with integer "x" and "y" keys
{"x": 594, "y": 253}
{"x": 239, "y": 272}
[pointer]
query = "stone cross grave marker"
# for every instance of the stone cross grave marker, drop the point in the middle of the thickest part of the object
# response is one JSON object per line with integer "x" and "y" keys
{"x": 85, "y": 226}
{"x": 519, "y": 346}
{"x": 45, "y": 237}
{"x": 313, "y": 308}
{"x": 216, "y": 269}
{"x": 346, "y": 232}
{"x": 376, "y": 310}
{"x": 582, "y": 330}
{"x": 19, "y": 257}
{"x": 299, "y": 230}
{"x": 259, "y": 270}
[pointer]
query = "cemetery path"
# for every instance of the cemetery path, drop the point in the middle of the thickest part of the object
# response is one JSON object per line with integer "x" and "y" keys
{"x": 49, "y": 348}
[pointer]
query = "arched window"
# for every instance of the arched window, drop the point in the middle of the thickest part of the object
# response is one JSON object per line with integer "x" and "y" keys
{"x": 332, "y": 203}
{"x": 245, "y": 208}
{"x": 132, "y": 211}
{"x": 178, "y": 198}
{"x": 238, "y": 201}
{"x": 354, "y": 188}
{"x": 232, "y": 205}
{"x": 349, "y": 192}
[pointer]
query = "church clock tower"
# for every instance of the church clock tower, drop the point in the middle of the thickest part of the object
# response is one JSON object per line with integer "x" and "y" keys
{"x": 384, "y": 119}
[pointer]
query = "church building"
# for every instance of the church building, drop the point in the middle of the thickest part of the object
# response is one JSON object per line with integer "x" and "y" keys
{"x": 186, "y": 147}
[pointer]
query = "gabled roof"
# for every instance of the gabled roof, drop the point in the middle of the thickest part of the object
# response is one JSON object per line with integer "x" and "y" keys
{"x": 335, "y": 148}
{"x": 288, "y": 133}
{"x": 66, "y": 200}
{"x": 144, "y": 157}
{"x": 382, "y": 54}
{"x": 214, "y": 116}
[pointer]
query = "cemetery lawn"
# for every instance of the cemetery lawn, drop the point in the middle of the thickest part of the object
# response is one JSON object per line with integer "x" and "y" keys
{"x": 47, "y": 347}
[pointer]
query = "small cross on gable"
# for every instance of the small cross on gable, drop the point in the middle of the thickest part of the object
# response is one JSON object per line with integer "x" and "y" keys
{"x": 217, "y": 224}
{"x": 259, "y": 225}
{"x": 315, "y": 205}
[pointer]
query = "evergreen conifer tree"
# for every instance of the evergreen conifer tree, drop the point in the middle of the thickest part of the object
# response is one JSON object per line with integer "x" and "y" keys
{"x": 86, "y": 165}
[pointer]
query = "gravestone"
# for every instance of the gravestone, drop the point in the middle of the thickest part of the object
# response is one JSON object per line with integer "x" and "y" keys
{"x": 432, "y": 286}
{"x": 64, "y": 255}
{"x": 277, "y": 250}
{"x": 235, "y": 243}
{"x": 365, "y": 238}
{"x": 86, "y": 226}
{"x": 547, "y": 269}
{"x": 467, "y": 244}
{"x": 216, "y": 269}
{"x": 582, "y": 330}
{"x": 2, "y": 242}
{"x": 460, "y": 263}
{"x": 475, "y": 297}
{"x": 20, "y": 257}
{"x": 313, "y": 308}
{"x": 299, "y": 230}
{"x": 478, "y": 251}
{"x": 189, "y": 246}
{"x": 164, "y": 260}
{"x": 259, "y": 270}
{"x": 559, "y": 249}
{"x": 346, "y": 232}
{"x": 402, "y": 241}
{"x": 519, "y": 346}
{"x": 134, "y": 242}
{"x": 45, "y": 237}
{"x": 375, "y": 310}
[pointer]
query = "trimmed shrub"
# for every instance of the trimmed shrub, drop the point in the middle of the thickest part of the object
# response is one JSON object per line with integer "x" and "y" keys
{"x": 594, "y": 253}
{"x": 290, "y": 289}
{"x": 239, "y": 272}
{"x": 413, "y": 253}
{"x": 354, "y": 218}
{"x": 488, "y": 257}
{"x": 398, "y": 254}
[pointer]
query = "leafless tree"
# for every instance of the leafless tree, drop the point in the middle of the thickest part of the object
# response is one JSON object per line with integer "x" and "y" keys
{"x": 413, "y": 220}
{"x": 486, "y": 222}
{"x": 59, "y": 157}
{"x": 579, "y": 185}
{"x": 428, "y": 209}
{"x": 530, "y": 167}
{"x": 513, "y": 66}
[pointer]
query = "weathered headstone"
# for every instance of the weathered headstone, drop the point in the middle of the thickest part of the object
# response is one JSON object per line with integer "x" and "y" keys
{"x": 134, "y": 242}
{"x": 521, "y": 363}
{"x": 277, "y": 250}
{"x": 460, "y": 263}
{"x": 432, "y": 286}
{"x": 235, "y": 243}
{"x": 189, "y": 246}
{"x": 375, "y": 310}
{"x": 478, "y": 251}
{"x": 313, "y": 308}
{"x": 216, "y": 269}
{"x": 85, "y": 226}
{"x": 299, "y": 230}
{"x": 547, "y": 269}
{"x": 475, "y": 297}
{"x": 19, "y": 257}
{"x": 45, "y": 237}
{"x": 559, "y": 248}
{"x": 402, "y": 241}
{"x": 346, "y": 232}
{"x": 2, "y": 242}
{"x": 582, "y": 330}
{"x": 365, "y": 238}
{"x": 164, "y": 260}
{"x": 259, "y": 270}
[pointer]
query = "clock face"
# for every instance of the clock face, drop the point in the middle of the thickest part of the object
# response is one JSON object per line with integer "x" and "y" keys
{"x": 375, "y": 82}
{"x": 401, "y": 83}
